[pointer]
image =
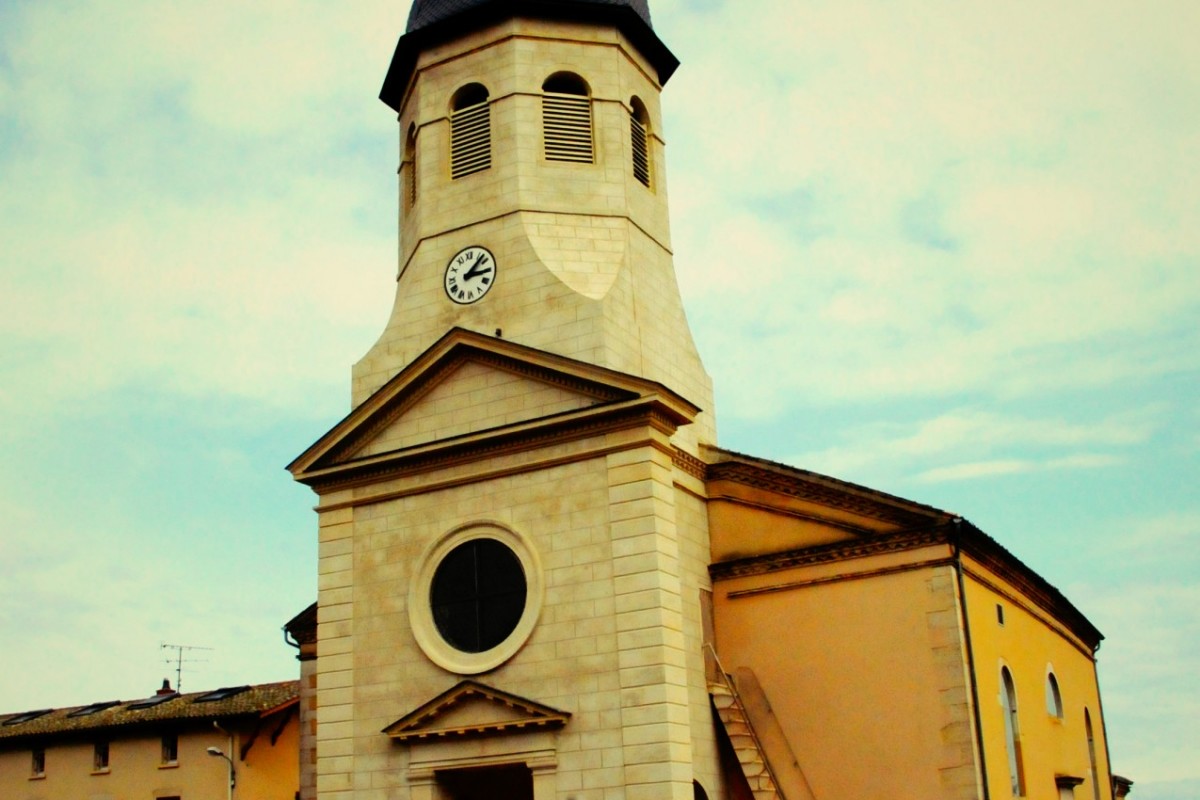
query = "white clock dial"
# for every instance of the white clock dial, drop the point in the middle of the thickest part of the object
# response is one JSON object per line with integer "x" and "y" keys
{"x": 470, "y": 275}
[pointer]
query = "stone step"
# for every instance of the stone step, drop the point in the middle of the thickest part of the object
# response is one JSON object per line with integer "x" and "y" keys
{"x": 745, "y": 746}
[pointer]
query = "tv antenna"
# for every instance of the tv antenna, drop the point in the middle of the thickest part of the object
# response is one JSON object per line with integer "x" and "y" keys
{"x": 179, "y": 656}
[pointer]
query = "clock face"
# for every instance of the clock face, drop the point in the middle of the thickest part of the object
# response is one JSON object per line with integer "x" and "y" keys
{"x": 470, "y": 275}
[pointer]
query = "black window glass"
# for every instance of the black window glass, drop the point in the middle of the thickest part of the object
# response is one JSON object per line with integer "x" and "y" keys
{"x": 478, "y": 595}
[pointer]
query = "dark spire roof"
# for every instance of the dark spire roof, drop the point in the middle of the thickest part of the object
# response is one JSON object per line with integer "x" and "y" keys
{"x": 427, "y": 12}
{"x": 432, "y": 22}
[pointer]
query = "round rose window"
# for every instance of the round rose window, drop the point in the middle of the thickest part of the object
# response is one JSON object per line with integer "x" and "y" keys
{"x": 478, "y": 595}
{"x": 475, "y": 596}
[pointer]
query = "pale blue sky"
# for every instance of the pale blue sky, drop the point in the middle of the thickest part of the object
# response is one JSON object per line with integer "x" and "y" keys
{"x": 950, "y": 250}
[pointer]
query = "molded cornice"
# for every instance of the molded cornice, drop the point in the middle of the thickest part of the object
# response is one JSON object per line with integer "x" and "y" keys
{"x": 829, "y": 553}
{"x": 621, "y": 402}
{"x": 781, "y": 479}
{"x": 449, "y": 715}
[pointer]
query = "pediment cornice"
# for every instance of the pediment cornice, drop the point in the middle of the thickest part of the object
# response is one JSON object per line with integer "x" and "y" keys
{"x": 472, "y": 709}
{"x": 613, "y": 400}
{"x": 726, "y": 471}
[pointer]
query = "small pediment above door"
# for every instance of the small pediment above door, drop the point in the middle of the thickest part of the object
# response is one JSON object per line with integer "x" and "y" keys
{"x": 468, "y": 391}
{"x": 473, "y": 709}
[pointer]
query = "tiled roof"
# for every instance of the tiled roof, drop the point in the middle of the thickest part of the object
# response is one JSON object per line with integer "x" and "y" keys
{"x": 303, "y": 627}
{"x": 260, "y": 700}
{"x": 427, "y": 12}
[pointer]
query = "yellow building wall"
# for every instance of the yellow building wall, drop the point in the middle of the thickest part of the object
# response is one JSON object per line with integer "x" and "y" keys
{"x": 748, "y": 531}
{"x": 1030, "y": 642}
{"x": 136, "y": 771}
{"x": 271, "y": 771}
{"x": 866, "y": 676}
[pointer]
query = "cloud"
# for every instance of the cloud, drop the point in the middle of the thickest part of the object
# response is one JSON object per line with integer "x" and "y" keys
{"x": 1140, "y": 542}
{"x": 176, "y": 209}
{"x": 100, "y": 570}
{"x": 979, "y": 203}
{"x": 948, "y": 446}
{"x": 1137, "y": 579}
{"x": 1013, "y": 466}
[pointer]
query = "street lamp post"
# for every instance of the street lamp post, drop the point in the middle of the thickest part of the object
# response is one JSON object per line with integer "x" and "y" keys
{"x": 216, "y": 751}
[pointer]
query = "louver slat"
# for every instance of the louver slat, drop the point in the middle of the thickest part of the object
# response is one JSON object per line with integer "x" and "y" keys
{"x": 470, "y": 140}
{"x": 641, "y": 154}
{"x": 567, "y": 128}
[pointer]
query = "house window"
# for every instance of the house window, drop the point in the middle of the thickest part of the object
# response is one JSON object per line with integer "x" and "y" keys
{"x": 470, "y": 131}
{"x": 1054, "y": 705}
{"x": 567, "y": 119}
{"x": 94, "y": 708}
{"x": 170, "y": 749}
{"x": 224, "y": 693}
{"x": 409, "y": 168}
{"x": 38, "y": 767}
{"x": 639, "y": 134}
{"x": 999, "y": 613}
{"x": 100, "y": 757}
{"x": 1012, "y": 732}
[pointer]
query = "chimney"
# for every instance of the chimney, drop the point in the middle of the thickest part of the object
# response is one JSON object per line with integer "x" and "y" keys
{"x": 166, "y": 689}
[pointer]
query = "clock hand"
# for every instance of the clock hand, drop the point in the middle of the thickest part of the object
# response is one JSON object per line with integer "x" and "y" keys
{"x": 476, "y": 268}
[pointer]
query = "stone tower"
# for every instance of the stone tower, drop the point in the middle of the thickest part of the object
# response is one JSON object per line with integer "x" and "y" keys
{"x": 534, "y": 130}
{"x": 513, "y": 538}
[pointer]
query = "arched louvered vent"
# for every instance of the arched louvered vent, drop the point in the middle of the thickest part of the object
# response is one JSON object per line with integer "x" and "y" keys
{"x": 639, "y": 134}
{"x": 470, "y": 132}
{"x": 567, "y": 119}
{"x": 409, "y": 168}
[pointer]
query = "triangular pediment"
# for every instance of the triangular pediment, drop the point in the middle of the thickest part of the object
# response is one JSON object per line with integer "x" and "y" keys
{"x": 473, "y": 709}
{"x": 476, "y": 393}
{"x": 471, "y": 390}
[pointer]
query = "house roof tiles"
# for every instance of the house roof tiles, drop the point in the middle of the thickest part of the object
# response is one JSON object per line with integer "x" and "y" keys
{"x": 261, "y": 700}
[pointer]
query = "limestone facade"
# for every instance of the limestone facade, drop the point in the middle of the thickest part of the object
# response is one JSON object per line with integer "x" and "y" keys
{"x": 591, "y": 497}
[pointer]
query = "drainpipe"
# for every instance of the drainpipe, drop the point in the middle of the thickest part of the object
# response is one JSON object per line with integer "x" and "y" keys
{"x": 966, "y": 623}
{"x": 1103, "y": 724}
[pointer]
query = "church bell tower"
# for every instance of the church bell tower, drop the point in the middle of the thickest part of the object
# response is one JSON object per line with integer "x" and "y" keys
{"x": 513, "y": 537}
{"x": 533, "y": 195}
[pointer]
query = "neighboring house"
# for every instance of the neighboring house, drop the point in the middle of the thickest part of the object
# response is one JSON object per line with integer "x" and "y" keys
{"x": 168, "y": 745}
{"x": 539, "y": 576}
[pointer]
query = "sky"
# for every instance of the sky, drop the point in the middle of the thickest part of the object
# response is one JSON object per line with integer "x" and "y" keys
{"x": 949, "y": 249}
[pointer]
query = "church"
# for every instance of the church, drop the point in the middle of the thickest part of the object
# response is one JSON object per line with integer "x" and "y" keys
{"x": 540, "y": 577}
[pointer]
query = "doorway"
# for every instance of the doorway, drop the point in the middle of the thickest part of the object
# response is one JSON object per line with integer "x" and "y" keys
{"x": 505, "y": 782}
